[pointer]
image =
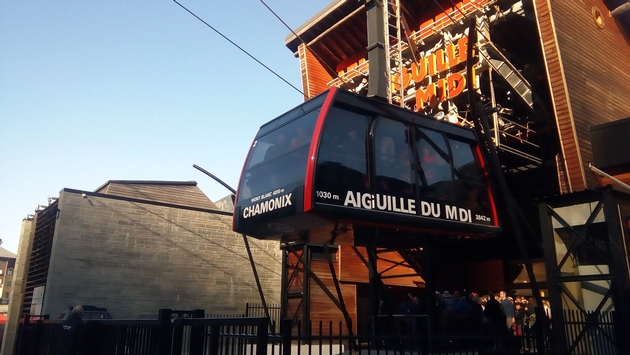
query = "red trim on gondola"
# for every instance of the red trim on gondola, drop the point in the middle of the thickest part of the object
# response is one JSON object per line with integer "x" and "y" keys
{"x": 312, "y": 153}
{"x": 493, "y": 206}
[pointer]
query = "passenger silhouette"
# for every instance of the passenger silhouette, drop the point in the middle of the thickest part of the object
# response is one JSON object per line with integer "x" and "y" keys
{"x": 277, "y": 149}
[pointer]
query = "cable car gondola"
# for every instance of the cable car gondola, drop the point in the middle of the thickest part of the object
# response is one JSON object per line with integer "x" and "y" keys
{"x": 340, "y": 161}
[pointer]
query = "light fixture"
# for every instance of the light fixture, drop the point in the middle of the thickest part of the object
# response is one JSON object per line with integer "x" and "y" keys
{"x": 452, "y": 117}
{"x": 597, "y": 16}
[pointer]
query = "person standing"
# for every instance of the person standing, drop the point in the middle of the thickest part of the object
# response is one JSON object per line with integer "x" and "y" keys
{"x": 73, "y": 331}
{"x": 495, "y": 315}
{"x": 508, "y": 309}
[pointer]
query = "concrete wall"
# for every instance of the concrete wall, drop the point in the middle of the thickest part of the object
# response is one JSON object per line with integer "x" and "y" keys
{"x": 135, "y": 258}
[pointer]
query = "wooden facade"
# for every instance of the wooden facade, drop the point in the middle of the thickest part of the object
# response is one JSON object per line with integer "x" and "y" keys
{"x": 589, "y": 76}
{"x": 577, "y": 59}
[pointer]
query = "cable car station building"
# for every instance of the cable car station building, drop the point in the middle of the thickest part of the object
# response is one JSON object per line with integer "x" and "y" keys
{"x": 450, "y": 145}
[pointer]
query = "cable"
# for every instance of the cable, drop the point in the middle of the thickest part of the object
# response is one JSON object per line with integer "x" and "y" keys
{"x": 307, "y": 46}
{"x": 237, "y": 46}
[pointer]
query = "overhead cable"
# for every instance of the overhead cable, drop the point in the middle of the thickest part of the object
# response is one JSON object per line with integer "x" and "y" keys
{"x": 237, "y": 46}
{"x": 305, "y": 44}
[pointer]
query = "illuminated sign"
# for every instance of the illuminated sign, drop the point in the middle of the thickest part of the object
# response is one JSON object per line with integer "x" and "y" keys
{"x": 440, "y": 74}
{"x": 440, "y": 62}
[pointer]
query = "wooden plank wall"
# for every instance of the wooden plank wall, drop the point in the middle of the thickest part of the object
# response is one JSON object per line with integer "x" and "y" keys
{"x": 354, "y": 270}
{"x": 589, "y": 74}
{"x": 571, "y": 168}
{"x": 350, "y": 270}
{"x": 484, "y": 276}
{"x": 314, "y": 75}
{"x": 323, "y": 308}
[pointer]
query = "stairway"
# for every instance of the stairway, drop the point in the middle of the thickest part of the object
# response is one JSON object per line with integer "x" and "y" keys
{"x": 502, "y": 66}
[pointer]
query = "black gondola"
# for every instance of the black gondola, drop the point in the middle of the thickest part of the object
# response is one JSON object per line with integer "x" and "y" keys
{"x": 340, "y": 161}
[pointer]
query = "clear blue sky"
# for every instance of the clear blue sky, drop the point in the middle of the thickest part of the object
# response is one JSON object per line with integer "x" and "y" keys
{"x": 92, "y": 91}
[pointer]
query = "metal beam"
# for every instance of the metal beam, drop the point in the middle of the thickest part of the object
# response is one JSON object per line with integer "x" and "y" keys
{"x": 378, "y": 75}
{"x": 258, "y": 285}
{"x": 337, "y": 24}
{"x": 315, "y": 278}
{"x": 346, "y": 316}
{"x": 482, "y": 126}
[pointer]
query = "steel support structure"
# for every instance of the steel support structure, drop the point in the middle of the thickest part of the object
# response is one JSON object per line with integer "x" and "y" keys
{"x": 303, "y": 259}
{"x": 589, "y": 225}
{"x": 294, "y": 288}
{"x": 415, "y": 258}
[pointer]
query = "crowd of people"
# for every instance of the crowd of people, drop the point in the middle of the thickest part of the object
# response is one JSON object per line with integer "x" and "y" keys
{"x": 461, "y": 312}
{"x": 492, "y": 320}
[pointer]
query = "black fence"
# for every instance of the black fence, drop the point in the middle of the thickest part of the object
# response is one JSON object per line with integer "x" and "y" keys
{"x": 168, "y": 335}
{"x": 257, "y": 310}
{"x": 187, "y": 333}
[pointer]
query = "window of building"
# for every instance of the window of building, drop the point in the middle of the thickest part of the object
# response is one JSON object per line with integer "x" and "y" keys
{"x": 10, "y": 272}
{"x": 8, "y": 283}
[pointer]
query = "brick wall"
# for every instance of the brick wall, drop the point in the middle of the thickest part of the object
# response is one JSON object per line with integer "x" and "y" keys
{"x": 135, "y": 258}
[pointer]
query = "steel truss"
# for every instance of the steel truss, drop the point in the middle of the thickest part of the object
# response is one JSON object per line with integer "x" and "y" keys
{"x": 298, "y": 274}
{"x": 589, "y": 225}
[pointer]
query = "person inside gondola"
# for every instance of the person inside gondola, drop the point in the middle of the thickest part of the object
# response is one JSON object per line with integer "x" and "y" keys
{"x": 353, "y": 150}
{"x": 429, "y": 161}
{"x": 387, "y": 151}
{"x": 352, "y": 143}
{"x": 428, "y": 168}
{"x": 404, "y": 171}
{"x": 300, "y": 139}
{"x": 436, "y": 171}
{"x": 386, "y": 162}
{"x": 278, "y": 148}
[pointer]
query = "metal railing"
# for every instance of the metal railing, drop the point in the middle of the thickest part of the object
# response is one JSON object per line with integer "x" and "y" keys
{"x": 175, "y": 333}
{"x": 258, "y": 310}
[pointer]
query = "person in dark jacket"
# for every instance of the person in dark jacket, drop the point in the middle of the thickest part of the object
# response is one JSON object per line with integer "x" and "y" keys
{"x": 495, "y": 315}
{"x": 72, "y": 337}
